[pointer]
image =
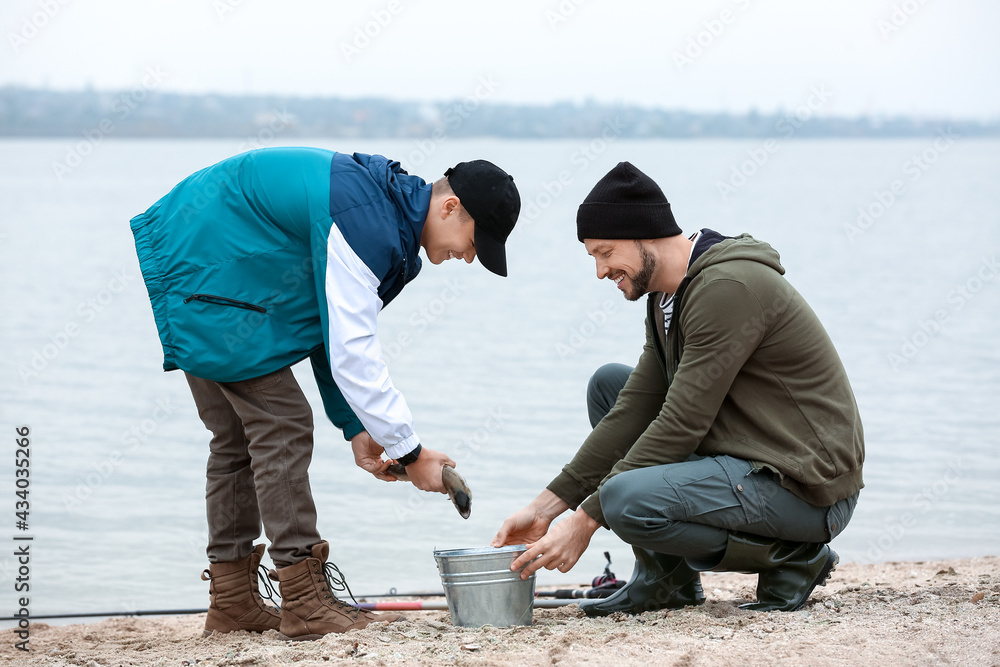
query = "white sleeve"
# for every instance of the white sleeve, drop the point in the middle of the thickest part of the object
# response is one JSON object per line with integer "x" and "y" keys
{"x": 355, "y": 352}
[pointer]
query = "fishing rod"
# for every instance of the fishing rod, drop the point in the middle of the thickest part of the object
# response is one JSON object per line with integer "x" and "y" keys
{"x": 601, "y": 587}
{"x": 400, "y": 605}
{"x": 153, "y": 612}
{"x": 563, "y": 596}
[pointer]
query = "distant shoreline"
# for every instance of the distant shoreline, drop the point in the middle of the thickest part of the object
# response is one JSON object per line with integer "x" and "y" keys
{"x": 146, "y": 112}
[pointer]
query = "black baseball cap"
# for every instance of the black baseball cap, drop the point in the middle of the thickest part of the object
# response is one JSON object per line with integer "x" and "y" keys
{"x": 489, "y": 195}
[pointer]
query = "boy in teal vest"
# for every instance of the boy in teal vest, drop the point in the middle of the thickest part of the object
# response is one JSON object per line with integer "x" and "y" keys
{"x": 259, "y": 262}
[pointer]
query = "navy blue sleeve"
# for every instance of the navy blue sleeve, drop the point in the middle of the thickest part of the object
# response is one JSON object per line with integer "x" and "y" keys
{"x": 365, "y": 215}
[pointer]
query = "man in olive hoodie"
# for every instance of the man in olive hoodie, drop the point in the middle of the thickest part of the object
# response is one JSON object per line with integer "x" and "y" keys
{"x": 735, "y": 444}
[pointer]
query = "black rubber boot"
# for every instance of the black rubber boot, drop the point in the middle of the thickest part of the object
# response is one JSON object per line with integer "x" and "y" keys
{"x": 787, "y": 571}
{"x": 657, "y": 582}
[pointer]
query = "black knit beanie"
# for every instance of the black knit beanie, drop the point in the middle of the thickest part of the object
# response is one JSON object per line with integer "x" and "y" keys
{"x": 625, "y": 204}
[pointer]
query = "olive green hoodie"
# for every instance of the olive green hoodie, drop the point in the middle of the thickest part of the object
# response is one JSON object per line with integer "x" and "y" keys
{"x": 746, "y": 370}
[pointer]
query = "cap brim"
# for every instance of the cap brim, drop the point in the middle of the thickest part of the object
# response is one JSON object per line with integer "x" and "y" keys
{"x": 491, "y": 253}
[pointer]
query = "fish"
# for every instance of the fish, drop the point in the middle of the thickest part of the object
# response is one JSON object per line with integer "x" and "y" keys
{"x": 457, "y": 489}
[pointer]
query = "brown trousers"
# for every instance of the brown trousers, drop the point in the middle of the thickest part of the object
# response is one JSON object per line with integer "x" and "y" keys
{"x": 258, "y": 467}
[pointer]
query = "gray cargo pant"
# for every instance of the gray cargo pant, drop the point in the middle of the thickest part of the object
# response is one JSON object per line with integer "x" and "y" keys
{"x": 258, "y": 466}
{"x": 687, "y": 509}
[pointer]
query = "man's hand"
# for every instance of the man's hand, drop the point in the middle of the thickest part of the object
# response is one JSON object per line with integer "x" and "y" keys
{"x": 368, "y": 455}
{"x": 561, "y": 548}
{"x": 425, "y": 472}
{"x": 522, "y": 527}
{"x": 530, "y": 523}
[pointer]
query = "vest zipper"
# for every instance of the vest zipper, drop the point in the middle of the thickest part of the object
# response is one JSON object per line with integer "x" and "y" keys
{"x": 224, "y": 301}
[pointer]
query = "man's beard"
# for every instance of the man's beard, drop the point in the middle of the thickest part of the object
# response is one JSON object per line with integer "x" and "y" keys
{"x": 639, "y": 284}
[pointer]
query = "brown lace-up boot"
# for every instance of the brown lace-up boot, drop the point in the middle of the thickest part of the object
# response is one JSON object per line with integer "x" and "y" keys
{"x": 236, "y": 601}
{"x": 309, "y": 608}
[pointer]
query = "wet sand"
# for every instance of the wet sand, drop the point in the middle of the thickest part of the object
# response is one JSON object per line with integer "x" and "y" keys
{"x": 934, "y": 612}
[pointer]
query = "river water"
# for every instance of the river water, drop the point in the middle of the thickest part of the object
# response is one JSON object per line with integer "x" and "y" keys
{"x": 494, "y": 370}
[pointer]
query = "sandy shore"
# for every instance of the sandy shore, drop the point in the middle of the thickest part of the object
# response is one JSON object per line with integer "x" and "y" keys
{"x": 922, "y": 613}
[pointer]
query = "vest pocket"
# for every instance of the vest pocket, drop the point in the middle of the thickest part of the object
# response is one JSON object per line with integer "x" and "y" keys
{"x": 225, "y": 301}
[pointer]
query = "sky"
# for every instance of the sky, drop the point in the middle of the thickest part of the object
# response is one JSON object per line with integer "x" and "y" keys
{"x": 927, "y": 58}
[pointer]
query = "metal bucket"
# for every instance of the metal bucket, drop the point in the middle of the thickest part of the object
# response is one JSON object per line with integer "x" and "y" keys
{"x": 482, "y": 590}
